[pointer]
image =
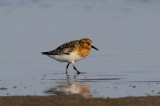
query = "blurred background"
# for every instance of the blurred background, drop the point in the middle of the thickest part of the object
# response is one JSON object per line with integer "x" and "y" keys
{"x": 126, "y": 32}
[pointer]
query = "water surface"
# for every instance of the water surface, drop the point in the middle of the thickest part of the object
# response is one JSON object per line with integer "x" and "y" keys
{"x": 126, "y": 32}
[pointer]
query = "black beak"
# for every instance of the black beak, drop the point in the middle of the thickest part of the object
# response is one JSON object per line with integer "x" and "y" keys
{"x": 94, "y": 47}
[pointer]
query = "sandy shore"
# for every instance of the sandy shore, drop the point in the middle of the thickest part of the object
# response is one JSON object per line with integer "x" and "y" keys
{"x": 77, "y": 101}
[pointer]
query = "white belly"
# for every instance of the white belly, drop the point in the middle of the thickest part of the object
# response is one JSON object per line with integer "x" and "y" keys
{"x": 72, "y": 57}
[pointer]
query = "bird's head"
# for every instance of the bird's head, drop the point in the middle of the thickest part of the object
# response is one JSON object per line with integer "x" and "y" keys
{"x": 87, "y": 43}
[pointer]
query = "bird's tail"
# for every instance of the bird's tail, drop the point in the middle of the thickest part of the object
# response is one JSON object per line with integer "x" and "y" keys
{"x": 45, "y": 53}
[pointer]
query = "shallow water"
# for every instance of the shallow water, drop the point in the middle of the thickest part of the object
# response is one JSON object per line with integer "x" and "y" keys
{"x": 126, "y": 32}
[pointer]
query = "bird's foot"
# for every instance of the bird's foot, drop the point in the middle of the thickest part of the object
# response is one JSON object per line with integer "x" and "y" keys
{"x": 78, "y": 73}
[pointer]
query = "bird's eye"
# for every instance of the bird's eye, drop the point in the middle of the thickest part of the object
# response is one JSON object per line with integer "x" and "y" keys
{"x": 88, "y": 43}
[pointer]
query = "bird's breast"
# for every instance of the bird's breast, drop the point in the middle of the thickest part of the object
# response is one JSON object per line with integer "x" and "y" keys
{"x": 83, "y": 53}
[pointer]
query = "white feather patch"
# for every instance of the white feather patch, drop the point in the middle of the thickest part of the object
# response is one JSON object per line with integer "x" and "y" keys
{"x": 72, "y": 57}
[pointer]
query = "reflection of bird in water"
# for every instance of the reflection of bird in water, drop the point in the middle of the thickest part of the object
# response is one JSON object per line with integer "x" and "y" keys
{"x": 71, "y": 52}
{"x": 72, "y": 87}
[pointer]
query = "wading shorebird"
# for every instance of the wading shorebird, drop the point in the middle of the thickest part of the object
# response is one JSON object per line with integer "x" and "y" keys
{"x": 71, "y": 52}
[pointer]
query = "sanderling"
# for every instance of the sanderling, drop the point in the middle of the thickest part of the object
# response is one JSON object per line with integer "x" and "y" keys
{"x": 71, "y": 52}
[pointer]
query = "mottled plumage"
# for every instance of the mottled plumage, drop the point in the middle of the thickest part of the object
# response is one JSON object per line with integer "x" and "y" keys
{"x": 65, "y": 48}
{"x": 71, "y": 51}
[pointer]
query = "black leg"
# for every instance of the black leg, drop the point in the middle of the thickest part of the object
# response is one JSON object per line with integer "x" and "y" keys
{"x": 76, "y": 70}
{"x": 67, "y": 67}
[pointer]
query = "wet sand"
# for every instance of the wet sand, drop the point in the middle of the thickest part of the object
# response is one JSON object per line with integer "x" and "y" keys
{"x": 78, "y": 101}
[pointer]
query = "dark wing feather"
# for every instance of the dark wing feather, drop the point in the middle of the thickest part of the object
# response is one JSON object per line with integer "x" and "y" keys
{"x": 65, "y": 48}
